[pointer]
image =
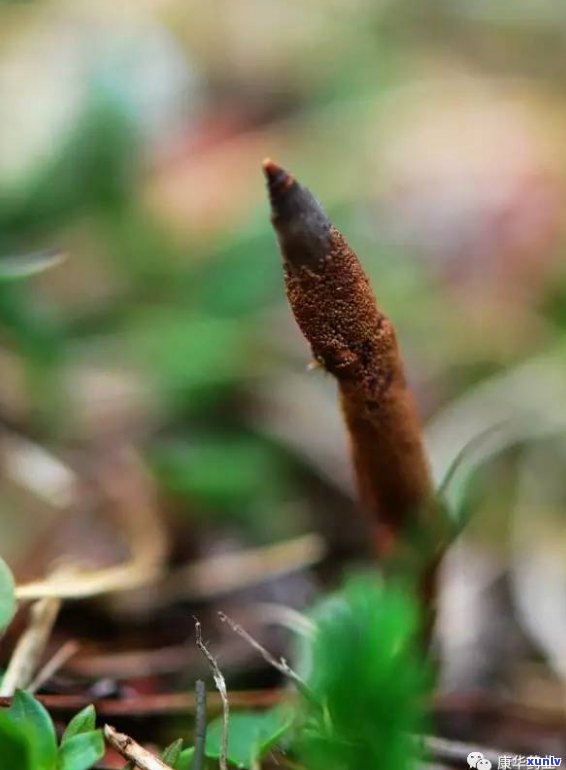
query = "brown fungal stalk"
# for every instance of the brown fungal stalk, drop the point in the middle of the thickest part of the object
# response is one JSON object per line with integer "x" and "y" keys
{"x": 335, "y": 308}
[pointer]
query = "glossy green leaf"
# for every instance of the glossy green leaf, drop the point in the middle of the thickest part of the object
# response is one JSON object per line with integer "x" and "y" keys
{"x": 185, "y": 759}
{"x": 83, "y": 722}
{"x": 14, "y": 747}
{"x": 7, "y": 597}
{"x": 34, "y": 721}
{"x": 251, "y": 734}
{"x": 81, "y": 751}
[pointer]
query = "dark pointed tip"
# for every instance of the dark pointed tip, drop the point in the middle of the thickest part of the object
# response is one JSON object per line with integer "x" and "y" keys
{"x": 299, "y": 220}
{"x": 278, "y": 181}
{"x": 275, "y": 175}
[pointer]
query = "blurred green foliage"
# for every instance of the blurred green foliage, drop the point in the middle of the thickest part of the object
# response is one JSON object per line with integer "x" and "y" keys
{"x": 95, "y": 169}
{"x": 238, "y": 477}
{"x": 362, "y": 701}
{"x": 28, "y": 740}
{"x": 368, "y": 676}
{"x": 194, "y": 310}
{"x": 251, "y": 735}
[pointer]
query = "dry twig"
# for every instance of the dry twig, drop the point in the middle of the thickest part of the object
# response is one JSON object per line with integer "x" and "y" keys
{"x": 227, "y": 572}
{"x": 53, "y": 665}
{"x": 132, "y": 751}
{"x": 220, "y": 683}
{"x": 131, "y": 493}
{"x": 30, "y": 646}
{"x": 282, "y": 615}
{"x": 159, "y": 704}
{"x": 200, "y": 725}
{"x": 281, "y": 665}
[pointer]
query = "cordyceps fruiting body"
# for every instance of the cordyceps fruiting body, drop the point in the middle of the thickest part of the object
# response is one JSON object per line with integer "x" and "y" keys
{"x": 335, "y": 308}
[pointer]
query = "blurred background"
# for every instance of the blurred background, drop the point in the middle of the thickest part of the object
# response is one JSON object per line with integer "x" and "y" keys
{"x": 154, "y": 390}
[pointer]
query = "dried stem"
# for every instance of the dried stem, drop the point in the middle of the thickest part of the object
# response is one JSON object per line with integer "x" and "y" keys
{"x": 160, "y": 703}
{"x": 281, "y": 665}
{"x": 228, "y": 572}
{"x": 200, "y": 725}
{"x": 30, "y": 646}
{"x": 132, "y": 498}
{"x": 53, "y": 665}
{"x": 132, "y": 751}
{"x": 220, "y": 683}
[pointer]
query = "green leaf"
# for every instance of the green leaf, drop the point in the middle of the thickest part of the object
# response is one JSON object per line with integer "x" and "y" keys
{"x": 456, "y": 490}
{"x": 193, "y": 358}
{"x": 238, "y": 280}
{"x": 83, "y": 722}
{"x": 81, "y": 751}
{"x": 14, "y": 747}
{"x": 177, "y": 757}
{"x": 251, "y": 734}
{"x": 7, "y": 597}
{"x": 225, "y": 472}
{"x": 33, "y": 330}
{"x": 171, "y": 754}
{"x": 185, "y": 759}
{"x": 34, "y": 721}
{"x": 28, "y": 325}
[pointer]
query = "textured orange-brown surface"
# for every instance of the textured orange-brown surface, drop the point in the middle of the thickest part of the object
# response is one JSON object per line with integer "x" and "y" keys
{"x": 352, "y": 339}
